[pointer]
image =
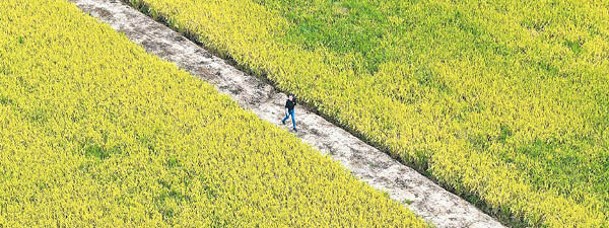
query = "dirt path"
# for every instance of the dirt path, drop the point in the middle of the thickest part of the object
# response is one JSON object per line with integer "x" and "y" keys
{"x": 403, "y": 184}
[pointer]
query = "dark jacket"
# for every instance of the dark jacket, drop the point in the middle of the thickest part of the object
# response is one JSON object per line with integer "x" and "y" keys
{"x": 290, "y": 105}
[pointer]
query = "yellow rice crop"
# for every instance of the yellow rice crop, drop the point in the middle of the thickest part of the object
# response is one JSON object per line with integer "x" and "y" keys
{"x": 504, "y": 100}
{"x": 96, "y": 132}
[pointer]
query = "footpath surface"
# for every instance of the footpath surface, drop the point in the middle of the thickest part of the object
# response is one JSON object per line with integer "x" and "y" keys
{"x": 403, "y": 184}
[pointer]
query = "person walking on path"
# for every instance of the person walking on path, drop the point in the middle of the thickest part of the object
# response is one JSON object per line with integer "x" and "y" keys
{"x": 289, "y": 111}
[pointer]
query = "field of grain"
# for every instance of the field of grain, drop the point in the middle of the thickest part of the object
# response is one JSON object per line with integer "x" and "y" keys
{"x": 505, "y": 102}
{"x": 96, "y": 132}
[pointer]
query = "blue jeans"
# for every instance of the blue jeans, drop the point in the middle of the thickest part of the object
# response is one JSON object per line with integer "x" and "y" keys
{"x": 290, "y": 113}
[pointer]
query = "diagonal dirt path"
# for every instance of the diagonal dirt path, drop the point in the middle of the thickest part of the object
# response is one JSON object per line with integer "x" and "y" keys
{"x": 403, "y": 184}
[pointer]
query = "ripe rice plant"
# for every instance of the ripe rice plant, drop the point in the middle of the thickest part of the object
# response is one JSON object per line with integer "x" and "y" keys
{"x": 96, "y": 132}
{"x": 506, "y": 101}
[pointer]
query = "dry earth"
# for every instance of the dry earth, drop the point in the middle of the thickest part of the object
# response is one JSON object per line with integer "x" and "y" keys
{"x": 403, "y": 184}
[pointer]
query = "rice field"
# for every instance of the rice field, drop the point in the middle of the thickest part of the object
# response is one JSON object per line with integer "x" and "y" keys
{"x": 94, "y": 131}
{"x": 504, "y": 102}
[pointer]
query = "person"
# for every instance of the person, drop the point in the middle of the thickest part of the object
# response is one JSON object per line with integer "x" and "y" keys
{"x": 289, "y": 111}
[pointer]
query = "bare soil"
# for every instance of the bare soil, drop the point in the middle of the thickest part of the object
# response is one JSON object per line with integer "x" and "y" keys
{"x": 403, "y": 184}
